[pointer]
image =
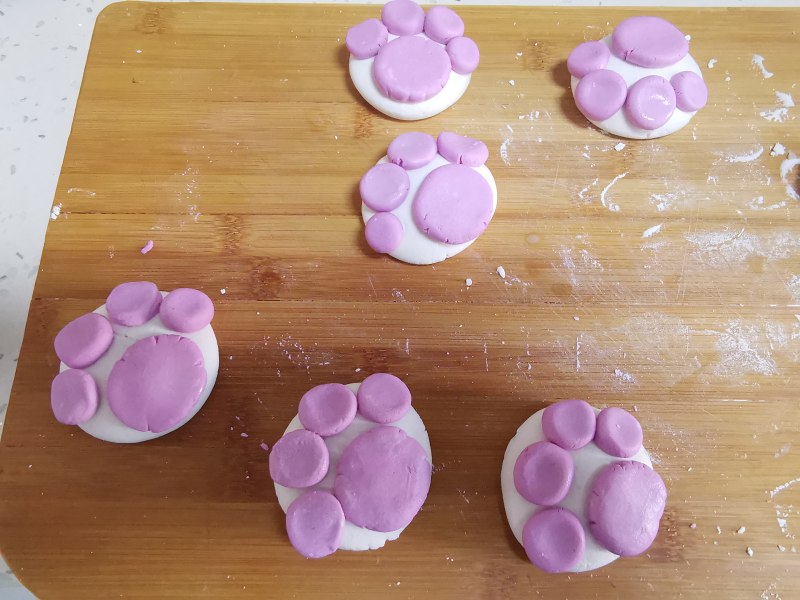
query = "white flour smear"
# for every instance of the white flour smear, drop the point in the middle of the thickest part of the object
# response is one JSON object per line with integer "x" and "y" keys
{"x": 607, "y": 203}
{"x": 743, "y": 349}
{"x": 758, "y": 63}
{"x": 729, "y": 249}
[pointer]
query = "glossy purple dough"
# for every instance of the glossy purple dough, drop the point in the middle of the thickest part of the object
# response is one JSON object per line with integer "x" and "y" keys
{"x": 412, "y": 150}
{"x": 569, "y": 424}
{"x": 382, "y": 479}
{"x": 383, "y": 398}
{"x": 384, "y": 232}
{"x": 588, "y": 57}
{"x": 299, "y": 459}
{"x": 691, "y": 93}
{"x": 554, "y": 540}
{"x": 327, "y": 409}
{"x": 462, "y": 150}
{"x": 625, "y": 506}
{"x": 618, "y": 433}
{"x": 366, "y": 39}
{"x": 600, "y": 94}
{"x": 648, "y": 42}
{"x": 650, "y": 102}
{"x": 403, "y": 17}
{"x": 464, "y": 55}
{"x": 411, "y": 69}
{"x": 73, "y": 397}
{"x": 315, "y": 524}
{"x": 442, "y": 24}
{"x": 453, "y": 205}
{"x": 186, "y": 310}
{"x": 543, "y": 473}
{"x": 384, "y": 187}
{"x": 133, "y": 303}
{"x": 83, "y": 341}
{"x": 156, "y": 383}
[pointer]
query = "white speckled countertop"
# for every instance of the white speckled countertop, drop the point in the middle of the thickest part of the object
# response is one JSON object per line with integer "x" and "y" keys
{"x": 43, "y": 49}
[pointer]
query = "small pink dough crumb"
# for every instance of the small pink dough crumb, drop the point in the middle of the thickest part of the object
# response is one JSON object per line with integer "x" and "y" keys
{"x": 693, "y": 526}
{"x": 264, "y": 446}
{"x": 244, "y": 435}
{"x": 147, "y": 247}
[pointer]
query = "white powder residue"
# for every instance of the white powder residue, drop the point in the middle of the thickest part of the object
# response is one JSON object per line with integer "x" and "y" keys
{"x": 723, "y": 248}
{"x": 398, "y": 295}
{"x": 613, "y": 207}
{"x": 81, "y": 190}
{"x": 55, "y": 211}
{"x": 746, "y": 156}
{"x": 582, "y": 193}
{"x": 664, "y": 201}
{"x": 776, "y": 115}
{"x": 783, "y": 450}
{"x": 784, "y": 486}
{"x": 758, "y": 62}
{"x": 742, "y": 349}
{"x": 512, "y": 83}
{"x": 624, "y": 377}
{"x": 651, "y": 231}
{"x": 531, "y": 116}
{"x": 468, "y": 282}
{"x": 741, "y": 530}
{"x": 787, "y": 166}
{"x": 619, "y": 146}
{"x": 785, "y": 99}
{"x": 501, "y": 272}
{"x": 504, "y": 146}
{"x": 793, "y": 285}
{"x": 711, "y": 63}
{"x": 771, "y": 593}
{"x": 223, "y": 291}
{"x": 750, "y": 551}
{"x": 194, "y": 212}
{"x": 777, "y": 149}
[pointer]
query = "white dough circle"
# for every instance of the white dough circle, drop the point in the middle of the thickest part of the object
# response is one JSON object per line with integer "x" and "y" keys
{"x": 589, "y": 460}
{"x": 417, "y": 248}
{"x": 618, "y": 123}
{"x": 361, "y": 74}
{"x": 355, "y": 537}
{"x": 104, "y": 425}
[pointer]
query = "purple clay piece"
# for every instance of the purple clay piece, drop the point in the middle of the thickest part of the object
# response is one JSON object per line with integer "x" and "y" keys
{"x": 648, "y": 42}
{"x": 382, "y": 479}
{"x": 543, "y": 473}
{"x": 383, "y": 398}
{"x": 618, "y": 433}
{"x": 588, "y": 57}
{"x": 650, "y": 102}
{"x": 73, "y": 397}
{"x": 462, "y": 150}
{"x": 412, "y": 150}
{"x": 625, "y": 505}
{"x": 186, "y": 310}
{"x": 366, "y": 39}
{"x": 157, "y": 382}
{"x": 83, "y": 341}
{"x": 299, "y": 459}
{"x": 384, "y": 232}
{"x": 442, "y": 24}
{"x": 133, "y": 303}
{"x": 691, "y": 92}
{"x": 554, "y": 540}
{"x": 411, "y": 69}
{"x": 327, "y": 409}
{"x": 600, "y": 94}
{"x": 464, "y": 55}
{"x": 384, "y": 187}
{"x": 453, "y": 205}
{"x": 569, "y": 424}
{"x": 403, "y": 17}
{"x": 315, "y": 524}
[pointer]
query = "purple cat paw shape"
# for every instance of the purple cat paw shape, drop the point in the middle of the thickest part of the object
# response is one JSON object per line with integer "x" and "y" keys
{"x": 640, "y": 82}
{"x": 353, "y": 468}
{"x": 428, "y": 199}
{"x": 139, "y": 367}
{"x": 410, "y": 65}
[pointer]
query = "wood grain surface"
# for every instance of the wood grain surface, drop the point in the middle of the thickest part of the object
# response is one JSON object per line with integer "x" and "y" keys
{"x": 231, "y": 136}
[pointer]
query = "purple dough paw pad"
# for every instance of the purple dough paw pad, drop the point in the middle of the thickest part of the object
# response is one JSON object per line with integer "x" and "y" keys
{"x": 414, "y": 53}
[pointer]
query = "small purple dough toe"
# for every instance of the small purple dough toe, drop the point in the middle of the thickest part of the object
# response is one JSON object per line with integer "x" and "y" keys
{"x": 462, "y": 150}
{"x": 384, "y": 232}
{"x": 315, "y": 524}
{"x": 588, "y": 57}
{"x": 618, "y": 432}
{"x": 382, "y": 479}
{"x": 625, "y": 506}
{"x": 411, "y": 69}
{"x": 650, "y": 102}
{"x": 691, "y": 93}
{"x": 156, "y": 383}
{"x": 569, "y": 424}
{"x": 83, "y": 341}
{"x": 442, "y": 24}
{"x": 600, "y": 94}
{"x": 554, "y": 540}
{"x": 383, "y": 398}
{"x": 412, "y": 150}
{"x": 543, "y": 473}
{"x": 464, "y": 55}
{"x": 649, "y": 42}
{"x": 186, "y": 310}
{"x": 73, "y": 397}
{"x": 327, "y": 409}
{"x": 403, "y": 17}
{"x": 453, "y": 205}
{"x": 384, "y": 187}
{"x": 365, "y": 39}
{"x": 299, "y": 459}
{"x": 133, "y": 303}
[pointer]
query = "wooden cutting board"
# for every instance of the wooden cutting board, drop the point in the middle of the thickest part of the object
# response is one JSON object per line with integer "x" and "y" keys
{"x": 231, "y": 136}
